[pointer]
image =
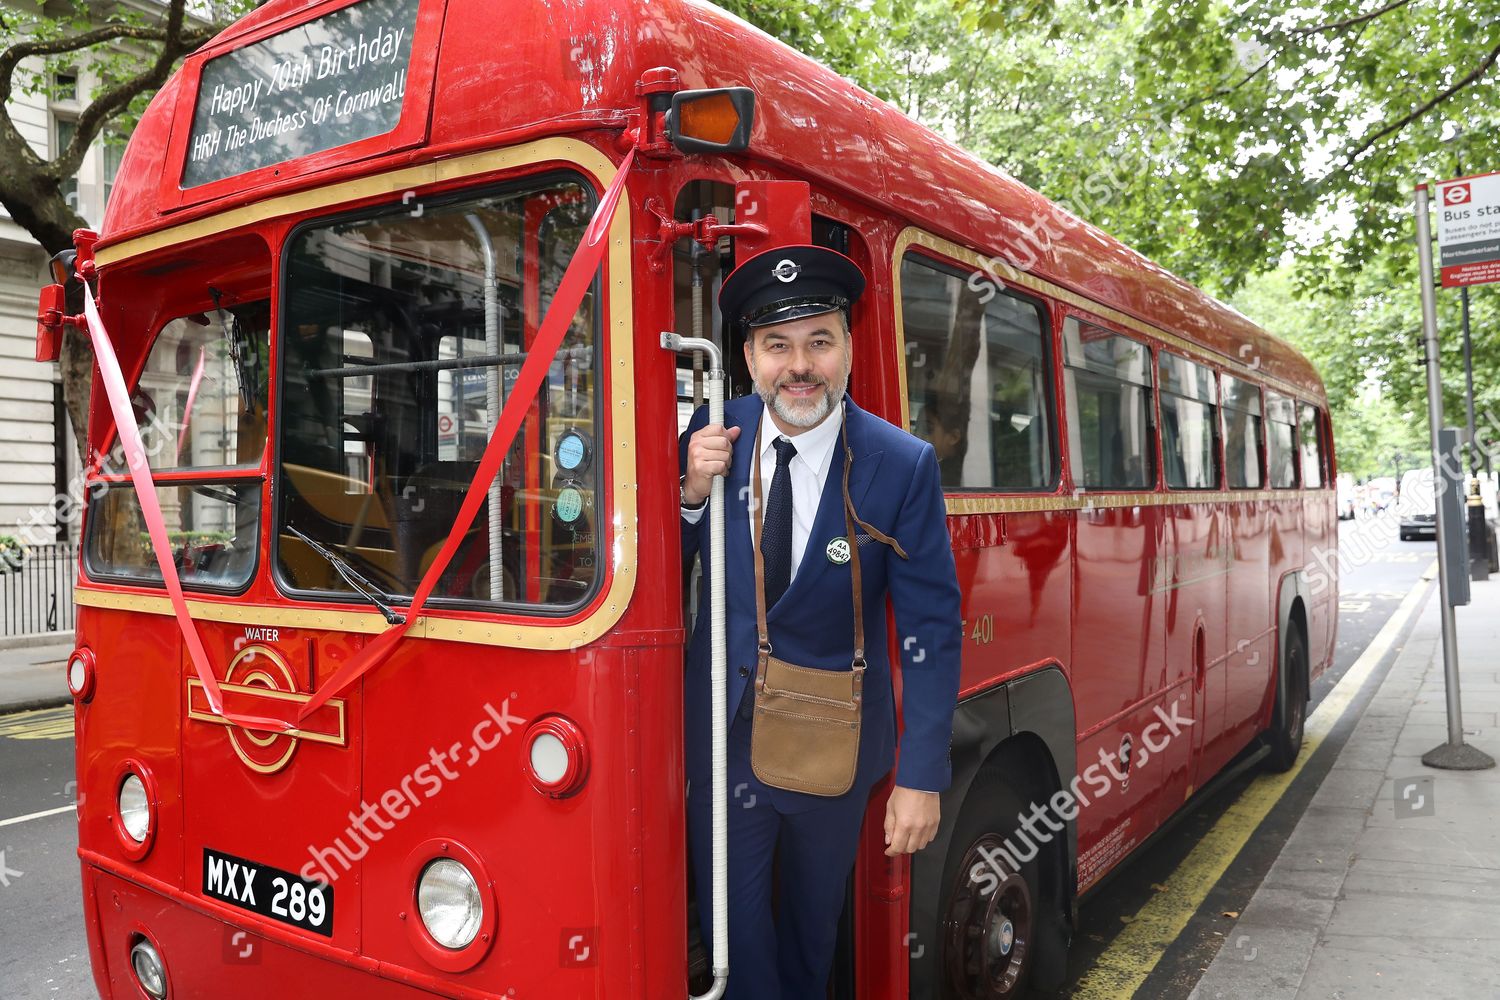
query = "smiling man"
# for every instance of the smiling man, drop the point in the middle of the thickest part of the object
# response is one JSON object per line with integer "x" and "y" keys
{"x": 793, "y": 304}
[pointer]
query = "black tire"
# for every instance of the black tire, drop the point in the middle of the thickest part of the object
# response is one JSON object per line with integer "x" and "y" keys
{"x": 1290, "y": 717}
{"x": 989, "y": 914}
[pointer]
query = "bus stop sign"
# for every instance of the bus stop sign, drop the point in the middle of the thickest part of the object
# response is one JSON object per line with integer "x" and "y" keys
{"x": 1468, "y": 230}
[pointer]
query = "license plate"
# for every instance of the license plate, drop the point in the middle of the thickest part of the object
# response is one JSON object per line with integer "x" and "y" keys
{"x": 268, "y": 891}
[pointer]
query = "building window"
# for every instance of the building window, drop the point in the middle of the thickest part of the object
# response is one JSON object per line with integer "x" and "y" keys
{"x": 113, "y": 150}
{"x": 65, "y": 85}
{"x": 64, "y": 129}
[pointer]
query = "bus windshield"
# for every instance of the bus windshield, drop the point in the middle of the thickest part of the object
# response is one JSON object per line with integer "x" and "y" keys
{"x": 401, "y": 331}
{"x": 200, "y": 406}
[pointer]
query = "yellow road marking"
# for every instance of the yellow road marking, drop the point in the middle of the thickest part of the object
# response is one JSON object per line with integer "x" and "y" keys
{"x": 1135, "y": 951}
{"x": 46, "y": 724}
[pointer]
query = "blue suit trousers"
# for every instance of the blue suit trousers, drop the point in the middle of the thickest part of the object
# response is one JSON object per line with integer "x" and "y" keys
{"x": 786, "y": 955}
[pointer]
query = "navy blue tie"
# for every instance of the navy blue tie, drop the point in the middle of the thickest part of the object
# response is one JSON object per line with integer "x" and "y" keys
{"x": 776, "y": 531}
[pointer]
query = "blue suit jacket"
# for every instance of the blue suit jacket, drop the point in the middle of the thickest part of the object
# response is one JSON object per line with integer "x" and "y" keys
{"x": 895, "y": 487}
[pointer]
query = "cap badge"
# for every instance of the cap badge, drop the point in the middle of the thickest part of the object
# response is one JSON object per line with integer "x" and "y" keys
{"x": 786, "y": 270}
{"x": 838, "y": 551}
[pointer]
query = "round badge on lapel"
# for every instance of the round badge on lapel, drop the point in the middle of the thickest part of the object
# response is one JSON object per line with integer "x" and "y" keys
{"x": 838, "y": 551}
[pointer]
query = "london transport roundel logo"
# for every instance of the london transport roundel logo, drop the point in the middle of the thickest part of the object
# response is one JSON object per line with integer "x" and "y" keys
{"x": 1457, "y": 194}
{"x": 786, "y": 270}
{"x": 260, "y": 666}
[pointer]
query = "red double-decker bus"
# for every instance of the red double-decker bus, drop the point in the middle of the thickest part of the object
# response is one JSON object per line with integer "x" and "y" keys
{"x": 379, "y": 678}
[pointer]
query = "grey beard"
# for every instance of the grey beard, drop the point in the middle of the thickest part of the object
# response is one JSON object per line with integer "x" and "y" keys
{"x": 804, "y": 418}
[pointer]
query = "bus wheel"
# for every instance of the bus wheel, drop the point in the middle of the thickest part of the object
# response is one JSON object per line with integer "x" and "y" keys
{"x": 1291, "y": 706}
{"x": 989, "y": 917}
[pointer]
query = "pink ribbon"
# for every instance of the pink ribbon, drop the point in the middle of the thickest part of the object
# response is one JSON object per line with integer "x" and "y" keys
{"x": 187, "y": 408}
{"x": 156, "y": 528}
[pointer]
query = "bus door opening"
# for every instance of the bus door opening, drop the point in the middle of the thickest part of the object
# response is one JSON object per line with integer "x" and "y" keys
{"x": 698, "y": 272}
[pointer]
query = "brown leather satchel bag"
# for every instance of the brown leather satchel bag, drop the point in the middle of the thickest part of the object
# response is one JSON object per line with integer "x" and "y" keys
{"x": 807, "y": 720}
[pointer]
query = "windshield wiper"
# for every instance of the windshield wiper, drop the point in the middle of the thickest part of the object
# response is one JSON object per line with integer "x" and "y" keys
{"x": 352, "y": 577}
{"x": 231, "y": 330}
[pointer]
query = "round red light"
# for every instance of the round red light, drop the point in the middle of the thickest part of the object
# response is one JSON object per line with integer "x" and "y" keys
{"x": 557, "y": 759}
{"x": 81, "y": 674}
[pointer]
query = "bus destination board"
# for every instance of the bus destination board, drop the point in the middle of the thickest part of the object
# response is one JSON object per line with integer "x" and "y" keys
{"x": 334, "y": 80}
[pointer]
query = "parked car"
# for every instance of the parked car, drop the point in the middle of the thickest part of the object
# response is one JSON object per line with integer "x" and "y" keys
{"x": 1418, "y": 505}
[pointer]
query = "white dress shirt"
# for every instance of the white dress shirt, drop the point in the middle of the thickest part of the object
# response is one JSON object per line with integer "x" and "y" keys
{"x": 809, "y": 470}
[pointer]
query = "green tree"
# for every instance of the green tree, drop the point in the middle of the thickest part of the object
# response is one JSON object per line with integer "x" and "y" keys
{"x": 847, "y": 36}
{"x": 1228, "y": 140}
{"x": 130, "y": 53}
{"x": 1307, "y": 124}
{"x": 1347, "y": 338}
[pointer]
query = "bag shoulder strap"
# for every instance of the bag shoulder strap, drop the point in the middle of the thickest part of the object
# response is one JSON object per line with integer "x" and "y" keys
{"x": 850, "y": 520}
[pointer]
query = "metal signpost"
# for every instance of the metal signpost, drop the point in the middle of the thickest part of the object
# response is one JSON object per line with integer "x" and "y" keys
{"x": 1468, "y": 245}
{"x": 1469, "y": 248}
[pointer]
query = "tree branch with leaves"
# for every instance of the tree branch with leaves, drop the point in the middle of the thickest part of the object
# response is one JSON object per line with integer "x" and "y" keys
{"x": 130, "y": 55}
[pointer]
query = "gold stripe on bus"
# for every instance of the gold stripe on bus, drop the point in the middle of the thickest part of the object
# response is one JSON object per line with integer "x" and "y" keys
{"x": 620, "y": 397}
{"x": 913, "y": 236}
{"x": 959, "y": 504}
{"x": 526, "y": 636}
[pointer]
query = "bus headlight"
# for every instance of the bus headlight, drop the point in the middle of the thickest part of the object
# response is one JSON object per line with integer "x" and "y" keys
{"x": 135, "y": 808}
{"x": 449, "y": 903}
{"x": 149, "y": 970}
{"x": 457, "y": 915}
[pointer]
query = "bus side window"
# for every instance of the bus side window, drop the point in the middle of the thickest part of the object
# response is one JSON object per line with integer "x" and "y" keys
{"x": 1312, "y": 445}
{"x": 1242, "y": 447}
{"x": 1189, "y": 423}
{"x": 1281, "y": 434}
{"x": 977, "y": 380}
{"x": 1108, "y": 378}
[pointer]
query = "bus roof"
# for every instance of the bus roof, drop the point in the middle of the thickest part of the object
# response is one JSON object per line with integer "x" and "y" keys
{"x": 508, "y": 66}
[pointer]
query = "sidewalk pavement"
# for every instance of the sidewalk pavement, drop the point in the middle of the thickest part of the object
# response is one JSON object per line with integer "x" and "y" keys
{"x": 1390, "y": 884}
{"x": 32, "y": 675}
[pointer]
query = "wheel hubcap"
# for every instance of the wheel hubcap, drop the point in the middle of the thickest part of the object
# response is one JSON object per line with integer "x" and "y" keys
{"x": 1007, "y": 934}
{"x": 988, "y": 925}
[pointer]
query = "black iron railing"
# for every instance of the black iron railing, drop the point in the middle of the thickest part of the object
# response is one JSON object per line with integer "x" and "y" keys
{"x": 36, "y": 588}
